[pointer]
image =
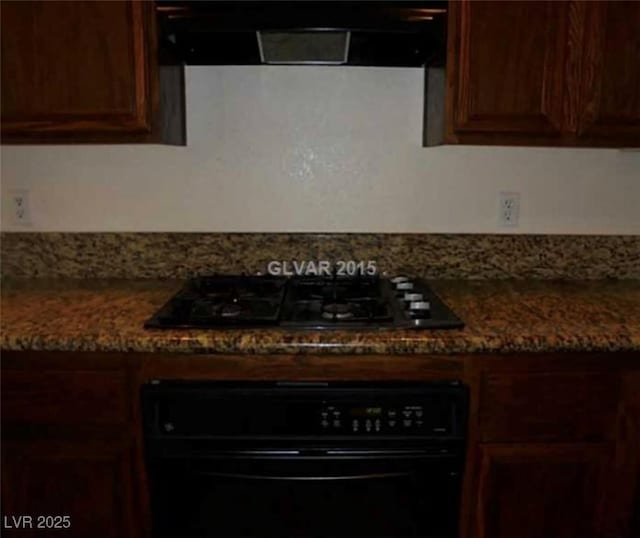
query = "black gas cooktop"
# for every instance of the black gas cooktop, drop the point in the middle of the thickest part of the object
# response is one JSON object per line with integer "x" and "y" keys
{"x": 315, "y": 302}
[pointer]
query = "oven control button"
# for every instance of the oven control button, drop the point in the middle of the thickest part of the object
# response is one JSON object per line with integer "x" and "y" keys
{"x": 407, "y": 413}
{"x": 407, "y": 423}
{"x": 168, "y": 427}
{"x": 336, "y": 413}
{"x": 336, "y": 424}
{"x": 419, "y": 423}
{"x": 367, "y": 425}
{"x": 324, "y": 414}
{"x": 377, "y": 424}
{"x": 355, "y": 425}
{"x": 411, "y": 297}
{"x": 404, "y": 286}
{"x": 391, "y": 413}
{"x": 325, "y": 423}
{"x": 419, "y": 413}
{"x": 399, "y": 279}
{"x": 392, "y": 423}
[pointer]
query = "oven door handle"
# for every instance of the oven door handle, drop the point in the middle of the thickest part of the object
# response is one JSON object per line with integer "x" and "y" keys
{"x": 371, "y": 476}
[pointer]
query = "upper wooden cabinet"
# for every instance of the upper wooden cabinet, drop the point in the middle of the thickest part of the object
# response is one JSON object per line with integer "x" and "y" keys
{"x": 87, "y": 71}
{"x": 610, "y": 91}
{"x": 543, "y": 73}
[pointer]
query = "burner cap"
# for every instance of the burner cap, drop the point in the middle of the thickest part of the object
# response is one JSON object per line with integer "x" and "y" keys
{"x": 230, "y": 310}
{"x": 337, "y": 311}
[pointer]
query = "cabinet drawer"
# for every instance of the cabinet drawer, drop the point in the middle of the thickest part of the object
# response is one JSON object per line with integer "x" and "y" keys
{"x": 558, "y": 406}
{"x": 65, "y": 397}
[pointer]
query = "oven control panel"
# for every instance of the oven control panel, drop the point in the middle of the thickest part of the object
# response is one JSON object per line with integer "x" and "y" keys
{"x": 418, "y": 419}
{"x": 180, "y": 409}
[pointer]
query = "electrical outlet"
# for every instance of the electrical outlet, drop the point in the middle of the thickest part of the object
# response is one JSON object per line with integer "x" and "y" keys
{"x": 20, "y": 210}
{"x": 509, "y": 209}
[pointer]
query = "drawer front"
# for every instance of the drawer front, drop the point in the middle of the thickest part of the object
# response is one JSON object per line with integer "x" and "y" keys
{"x": 558, "y": 406}
{"x": 65, "y": 397}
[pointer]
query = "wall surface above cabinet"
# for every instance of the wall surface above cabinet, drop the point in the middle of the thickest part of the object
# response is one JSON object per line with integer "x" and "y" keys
{"x": 87, "y": 72}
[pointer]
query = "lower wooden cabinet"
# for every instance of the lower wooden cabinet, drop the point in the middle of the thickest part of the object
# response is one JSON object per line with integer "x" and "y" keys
{"x": 553, "y": 440}
{"x": 623, "y": 500}
{"x": 71, "y": 458}
{"x": 541, "y": 491}
{"x": 68, "y": 488}
{"x": 569, "y": 406}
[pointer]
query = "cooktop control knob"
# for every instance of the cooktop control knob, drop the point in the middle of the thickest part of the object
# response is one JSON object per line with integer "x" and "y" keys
{"x": 419, "y": 312}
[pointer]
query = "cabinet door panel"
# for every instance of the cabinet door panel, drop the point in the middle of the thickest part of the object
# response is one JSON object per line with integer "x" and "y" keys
{"x": 538, "y": 491}
{"x": 611, "y": 72}
{"x": 506, "y": 65}
{"x": 89, "y": 482}
{"x": 70, "y": 67}
{"x": 623, "y": 501}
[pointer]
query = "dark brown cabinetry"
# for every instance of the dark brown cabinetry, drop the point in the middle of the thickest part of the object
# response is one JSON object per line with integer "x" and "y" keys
{"x": 544, "y": 73}
{"x": 610, "y": 82}
{"x": 623, "y": 501}
{"x": 540, "y": 490}
{"x": 553, "y": 439}
{"x": 553, "y": 448}
{"x": 70, "y": 452}
{"x": 526, "y": 406}
{"x": 88, "y": 482}
{"x": 86, "y": 71}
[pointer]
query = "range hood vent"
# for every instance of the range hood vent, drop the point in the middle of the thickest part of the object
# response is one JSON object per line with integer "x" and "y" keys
{"x": 403, "y": 34}
{"x": 323, "y": 47}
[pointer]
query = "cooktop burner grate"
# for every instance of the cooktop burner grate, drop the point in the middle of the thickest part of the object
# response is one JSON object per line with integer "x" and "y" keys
{"x": 334, "y": 288}
{"x": 362, "y": 311}
{"x": 334, "y": 302}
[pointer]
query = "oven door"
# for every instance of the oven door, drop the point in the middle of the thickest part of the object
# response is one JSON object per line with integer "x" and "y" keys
{"x": 285, "y": 493}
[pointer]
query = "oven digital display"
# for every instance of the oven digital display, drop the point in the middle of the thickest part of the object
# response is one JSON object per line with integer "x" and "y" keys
{"x": 366, "y": 411}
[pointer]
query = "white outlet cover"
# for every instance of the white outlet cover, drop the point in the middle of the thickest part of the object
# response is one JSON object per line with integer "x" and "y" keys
{"x": 509, "y": 209}
{"x": 19, "y": 207}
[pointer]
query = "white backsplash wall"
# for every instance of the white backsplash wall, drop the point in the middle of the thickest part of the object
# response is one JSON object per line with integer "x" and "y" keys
{"x": 317, "y": 149}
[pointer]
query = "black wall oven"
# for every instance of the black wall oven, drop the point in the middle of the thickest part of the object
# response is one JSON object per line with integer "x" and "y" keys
{"x": 304, "y": 459}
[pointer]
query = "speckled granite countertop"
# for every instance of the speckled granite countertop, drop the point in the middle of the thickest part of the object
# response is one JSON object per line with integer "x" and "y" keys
{"x": 500, "y": 316}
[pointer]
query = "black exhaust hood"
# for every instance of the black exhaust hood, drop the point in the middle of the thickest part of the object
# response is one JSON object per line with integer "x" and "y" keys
{"x": 390, "y": 34}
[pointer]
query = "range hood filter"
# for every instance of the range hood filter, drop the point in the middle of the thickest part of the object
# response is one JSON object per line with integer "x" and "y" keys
{"x": 304, "y": 47}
